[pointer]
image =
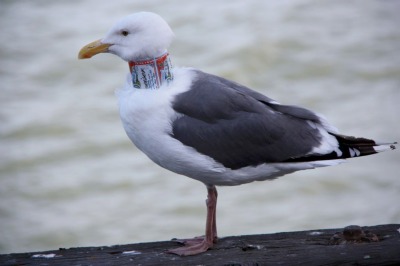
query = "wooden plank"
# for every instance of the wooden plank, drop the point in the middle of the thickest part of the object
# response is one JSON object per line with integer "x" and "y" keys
{"x": 315, "y": 247}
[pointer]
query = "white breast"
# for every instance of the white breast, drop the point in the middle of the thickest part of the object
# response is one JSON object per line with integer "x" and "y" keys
{"x": 147, "y": 116}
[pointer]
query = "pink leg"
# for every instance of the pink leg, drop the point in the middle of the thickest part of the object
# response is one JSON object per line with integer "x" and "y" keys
{"x": 202, "y": 244}
{"x": 214, "y": 224}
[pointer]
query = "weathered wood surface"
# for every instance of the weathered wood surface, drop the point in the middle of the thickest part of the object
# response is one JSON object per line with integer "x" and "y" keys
{"x": 293, "y": 248}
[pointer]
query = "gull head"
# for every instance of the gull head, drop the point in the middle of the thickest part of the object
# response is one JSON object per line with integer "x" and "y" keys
{"x": 136, "y": 37}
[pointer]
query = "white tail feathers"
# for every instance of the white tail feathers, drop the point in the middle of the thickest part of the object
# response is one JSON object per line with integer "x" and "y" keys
{"x": 380, "y": 147}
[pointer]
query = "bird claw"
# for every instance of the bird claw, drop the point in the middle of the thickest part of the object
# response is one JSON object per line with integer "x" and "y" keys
{"x": 193, "y": 246}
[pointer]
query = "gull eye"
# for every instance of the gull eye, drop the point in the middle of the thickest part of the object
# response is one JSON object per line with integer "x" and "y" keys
{"x": 125, "y": 32}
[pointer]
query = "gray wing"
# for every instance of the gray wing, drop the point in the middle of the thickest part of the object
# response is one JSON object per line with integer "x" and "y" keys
{"x": 239, "y": 127}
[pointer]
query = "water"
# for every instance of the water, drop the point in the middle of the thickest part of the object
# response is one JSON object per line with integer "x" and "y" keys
{"x": 70, "y": 177}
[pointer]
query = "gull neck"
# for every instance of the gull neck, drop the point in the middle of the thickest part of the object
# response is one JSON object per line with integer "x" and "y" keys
{"x": 151, "y": 73}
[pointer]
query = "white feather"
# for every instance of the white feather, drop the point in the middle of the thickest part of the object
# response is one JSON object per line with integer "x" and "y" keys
{"x": 328, "y": 143}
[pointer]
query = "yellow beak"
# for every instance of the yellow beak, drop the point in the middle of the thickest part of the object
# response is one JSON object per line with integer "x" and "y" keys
{"x": 92, "y": 49}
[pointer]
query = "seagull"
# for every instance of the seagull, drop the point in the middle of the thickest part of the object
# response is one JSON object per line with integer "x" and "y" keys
{"x": 209, "y": 128}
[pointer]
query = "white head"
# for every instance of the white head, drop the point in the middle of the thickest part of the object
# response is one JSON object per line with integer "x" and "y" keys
{"x": 136, "y": 37}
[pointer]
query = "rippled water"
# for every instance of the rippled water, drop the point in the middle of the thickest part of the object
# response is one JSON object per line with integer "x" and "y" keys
{"x": 70, "y": 177}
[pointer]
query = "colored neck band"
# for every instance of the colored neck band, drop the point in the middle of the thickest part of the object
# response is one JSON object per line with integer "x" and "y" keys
{"x": 152, "y": 73}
